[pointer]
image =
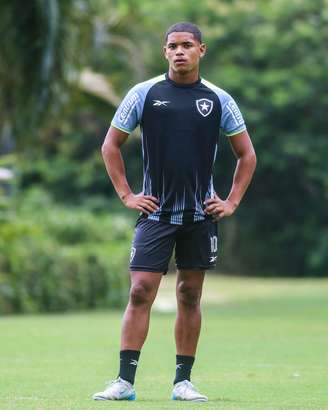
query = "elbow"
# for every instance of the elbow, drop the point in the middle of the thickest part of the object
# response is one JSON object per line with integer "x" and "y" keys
{"x": 254, "y": 159}
{"x": 249, "y": 158}
{"x": 105, "y": 150}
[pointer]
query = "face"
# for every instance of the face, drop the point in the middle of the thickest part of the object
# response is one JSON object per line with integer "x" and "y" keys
{"x": 183, "y": 52}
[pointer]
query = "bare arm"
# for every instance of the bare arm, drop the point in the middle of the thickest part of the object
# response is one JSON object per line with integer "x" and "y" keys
{"x": 111, "y": 153}
{"x": 243, "y": 149}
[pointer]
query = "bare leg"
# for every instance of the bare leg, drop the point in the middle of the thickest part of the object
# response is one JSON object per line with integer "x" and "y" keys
{"x": 144, "y": 287}
{"x": 188, "y": 321}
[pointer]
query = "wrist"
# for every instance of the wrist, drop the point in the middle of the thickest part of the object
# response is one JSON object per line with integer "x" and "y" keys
{"x": 124, "y": 196}
{"x": 233, "y": 203}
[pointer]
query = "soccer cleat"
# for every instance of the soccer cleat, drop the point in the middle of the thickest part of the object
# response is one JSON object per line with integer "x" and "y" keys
{"x": 185, "y": 390}
{"x": 118, "y": 389}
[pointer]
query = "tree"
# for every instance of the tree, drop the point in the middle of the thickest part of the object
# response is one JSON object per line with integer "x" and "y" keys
{"x": 271, "y": 56}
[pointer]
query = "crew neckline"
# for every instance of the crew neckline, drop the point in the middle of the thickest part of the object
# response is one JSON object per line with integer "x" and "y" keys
{"x": 191, "y": 85}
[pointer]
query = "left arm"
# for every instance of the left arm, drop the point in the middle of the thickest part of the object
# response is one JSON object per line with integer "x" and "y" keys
{"x": 243, "y": 149}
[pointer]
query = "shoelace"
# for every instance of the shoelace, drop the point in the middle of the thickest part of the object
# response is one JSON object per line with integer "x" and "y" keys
{"x": 111, "y": 382}
{"x": 188, "y": 385}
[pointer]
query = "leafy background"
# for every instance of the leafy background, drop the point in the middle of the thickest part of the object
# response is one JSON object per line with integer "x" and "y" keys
{"x": 65, "y": 65}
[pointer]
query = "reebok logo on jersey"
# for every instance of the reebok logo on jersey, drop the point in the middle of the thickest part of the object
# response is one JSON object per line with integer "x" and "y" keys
{"x": 158, "y": 103}
{"x": 204, "y": 106}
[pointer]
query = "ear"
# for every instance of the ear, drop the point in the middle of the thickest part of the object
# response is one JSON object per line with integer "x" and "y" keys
{"x": 202, "y": 48}
{"x": 164, "y": 52}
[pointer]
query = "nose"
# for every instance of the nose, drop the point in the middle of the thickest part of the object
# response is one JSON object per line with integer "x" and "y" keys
{"x": 179, "y": 51}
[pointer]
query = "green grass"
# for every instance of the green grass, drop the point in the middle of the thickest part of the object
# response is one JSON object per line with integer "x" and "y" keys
{"x": 264, "y": 345}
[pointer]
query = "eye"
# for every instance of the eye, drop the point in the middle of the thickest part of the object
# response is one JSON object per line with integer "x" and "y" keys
{"x": 171, "y": 46}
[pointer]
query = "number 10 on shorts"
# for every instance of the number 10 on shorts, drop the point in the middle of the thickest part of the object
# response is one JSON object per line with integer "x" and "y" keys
{"x": 214, "y": 243}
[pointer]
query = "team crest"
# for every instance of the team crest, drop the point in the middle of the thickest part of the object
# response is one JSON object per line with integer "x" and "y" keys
{"x": 204, "y": 106}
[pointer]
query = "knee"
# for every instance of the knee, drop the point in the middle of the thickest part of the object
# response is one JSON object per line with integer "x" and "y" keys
{"x": 188, "y": 295}
{"x": 140, "y": 294}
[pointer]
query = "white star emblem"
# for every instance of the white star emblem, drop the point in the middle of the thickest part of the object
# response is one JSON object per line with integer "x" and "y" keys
{"x": 204, "y": 106}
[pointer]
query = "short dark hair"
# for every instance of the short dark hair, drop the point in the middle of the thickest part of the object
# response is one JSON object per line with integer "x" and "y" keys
{"x": 185, "y": 27}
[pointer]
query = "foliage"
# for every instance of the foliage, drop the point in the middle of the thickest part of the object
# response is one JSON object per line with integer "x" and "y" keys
{"x": 57, "y": 259}
{"x": 271, "y": 56}
{"x": 38, "y": 51}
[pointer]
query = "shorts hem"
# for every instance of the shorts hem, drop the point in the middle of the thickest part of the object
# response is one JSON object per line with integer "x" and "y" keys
{"x": 147, "y": 269}
{"x": 199, "y": 267}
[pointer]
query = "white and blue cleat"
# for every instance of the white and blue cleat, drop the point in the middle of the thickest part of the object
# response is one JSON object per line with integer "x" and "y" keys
{"x": 118, "y": 389}
{"x": 185, "y": 390}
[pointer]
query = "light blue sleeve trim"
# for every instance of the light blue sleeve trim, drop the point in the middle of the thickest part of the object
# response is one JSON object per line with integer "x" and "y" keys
{"x": 232, "y": 121}
{"x": 129, "y": 113}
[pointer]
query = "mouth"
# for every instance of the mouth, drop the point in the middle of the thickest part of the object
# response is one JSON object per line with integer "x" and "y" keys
{"x": 180, "y": 61}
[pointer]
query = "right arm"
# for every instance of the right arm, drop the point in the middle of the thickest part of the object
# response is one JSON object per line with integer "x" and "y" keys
{"x": 111, "y": 153}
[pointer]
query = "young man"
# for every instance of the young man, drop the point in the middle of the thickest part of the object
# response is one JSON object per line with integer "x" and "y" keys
{"x": 180, "y": 116}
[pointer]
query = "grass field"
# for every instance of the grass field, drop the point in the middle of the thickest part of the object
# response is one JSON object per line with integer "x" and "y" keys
{"x": 264, "y": 345}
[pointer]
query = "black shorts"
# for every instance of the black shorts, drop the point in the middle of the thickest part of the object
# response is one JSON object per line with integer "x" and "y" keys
{"x": 196, "y": 245}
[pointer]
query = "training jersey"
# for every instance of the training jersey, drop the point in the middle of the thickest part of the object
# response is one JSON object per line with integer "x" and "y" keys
{"x": 180, "y": 126}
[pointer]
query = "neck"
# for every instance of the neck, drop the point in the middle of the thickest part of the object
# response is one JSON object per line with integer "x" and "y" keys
{"x": 184, "y": 78}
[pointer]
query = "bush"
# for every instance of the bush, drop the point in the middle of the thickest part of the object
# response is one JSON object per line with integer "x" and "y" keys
{"x": 57, "y": 259}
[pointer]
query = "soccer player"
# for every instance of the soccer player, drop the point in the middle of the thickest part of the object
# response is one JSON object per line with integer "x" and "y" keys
{"x": 180, "y": 116}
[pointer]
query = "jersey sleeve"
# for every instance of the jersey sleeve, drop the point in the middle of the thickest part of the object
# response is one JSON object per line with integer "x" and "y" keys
{"x": 232, "y": 121}
{"x": 128, "y": 114}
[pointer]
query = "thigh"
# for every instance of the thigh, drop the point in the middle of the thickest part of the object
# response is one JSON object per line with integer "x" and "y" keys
{"x": 152, "y": 246}
{"x": 197, "y": 246}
